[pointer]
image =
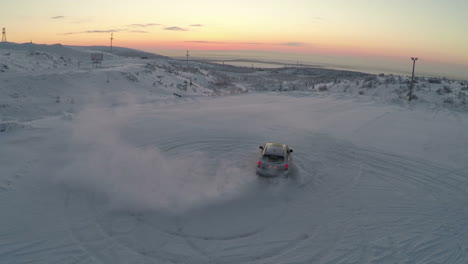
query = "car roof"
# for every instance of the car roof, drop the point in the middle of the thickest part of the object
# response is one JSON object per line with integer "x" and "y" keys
{"x": 276, "y": 145}
{"x": 275, "y": 149}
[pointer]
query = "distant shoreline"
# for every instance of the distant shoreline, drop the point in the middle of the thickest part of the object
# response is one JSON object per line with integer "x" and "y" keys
{"x": 263, "y": 59}
{"x": 271, "y": 60}
{"x": 262, "y": 64}
{"x": 266, "y": 63}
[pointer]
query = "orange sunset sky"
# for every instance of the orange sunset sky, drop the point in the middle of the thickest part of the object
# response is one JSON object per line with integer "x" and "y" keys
{"x": 434, "y": 30}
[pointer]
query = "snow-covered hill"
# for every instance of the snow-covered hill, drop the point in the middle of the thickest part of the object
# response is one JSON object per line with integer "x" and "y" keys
{"x": 149, "y": 161}
{"x": 42, "y": 80}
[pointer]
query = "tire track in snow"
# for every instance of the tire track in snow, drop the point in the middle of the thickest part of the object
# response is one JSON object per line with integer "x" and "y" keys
{"x": 89, "y": 235}
{"x": 204, "y": 145}
{"x": 401, "y": 174}
{"x": 409, "y": 169}
{"x": 332, "y": 174}
{"x": 269, "y": 253}
{"x": 370, "y": 122}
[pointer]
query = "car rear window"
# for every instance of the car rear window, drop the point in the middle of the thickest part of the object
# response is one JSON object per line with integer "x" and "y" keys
{"x": 273, "y": 158}
{"x": 274, "y": 150}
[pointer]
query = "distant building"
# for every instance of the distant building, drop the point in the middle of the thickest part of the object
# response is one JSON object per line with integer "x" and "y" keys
{"x": 97, "y": 59}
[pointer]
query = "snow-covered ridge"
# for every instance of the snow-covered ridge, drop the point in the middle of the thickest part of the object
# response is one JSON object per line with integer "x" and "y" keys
{"x": 41, "y": 80}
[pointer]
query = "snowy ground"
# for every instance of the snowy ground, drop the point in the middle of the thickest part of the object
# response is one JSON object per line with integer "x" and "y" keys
{"x": 109, "y": 166}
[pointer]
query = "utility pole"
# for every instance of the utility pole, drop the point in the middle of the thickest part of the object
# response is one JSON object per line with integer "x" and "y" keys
{"x": 414, "y": 59}
{"x": 4, "y": 35}
{"x": 112, "y": 38}
{"x": 187, "y": 55}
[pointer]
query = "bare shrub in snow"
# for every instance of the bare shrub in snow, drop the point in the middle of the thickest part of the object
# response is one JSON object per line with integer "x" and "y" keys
{"x": 150, "y": 68}
{"x": 222, "y": 82}
{"x": 390, "y": 80}
{"x": 129, "y": 76}
{"x": 434, "y": 80}
{"x": 3, "y": 67}
{"x": 368, "y": 85}
{"x": 182, "y": 87}
{"x": 447, "y": 89}
{"x": 422, "y": 86}
{"x": 323, "y": 88}
{"x": 449, "y": 100}
{"x": 8, "y": 126}
{"x": 462, "y": 97}
{"x": 402, "y": 92}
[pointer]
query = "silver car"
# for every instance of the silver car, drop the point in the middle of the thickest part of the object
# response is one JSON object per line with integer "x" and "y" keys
{"x": 275, "y": 160}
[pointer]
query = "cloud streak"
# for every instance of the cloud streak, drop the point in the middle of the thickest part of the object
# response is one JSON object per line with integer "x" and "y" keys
{"x": 94, "y": 31}
{"x": 254, "y": 43}
{"x": 57, "y": 17}
{"x": 289, "y": 44}
{"x": 317, "y": 20}
{"x": 292, "y": 44}
{"x": 138, "y": 31}
{"x": 206, "y": 42}
{"x": 175, "y": 29}
{"x": 144, "y": 25}
{"x": 196, "y": 25}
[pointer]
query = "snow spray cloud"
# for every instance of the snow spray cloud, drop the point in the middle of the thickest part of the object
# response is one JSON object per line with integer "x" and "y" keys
{"x": 136, "y": 178}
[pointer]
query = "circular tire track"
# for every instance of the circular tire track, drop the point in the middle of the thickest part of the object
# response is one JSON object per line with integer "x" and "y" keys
{"x": 330, "y": 174}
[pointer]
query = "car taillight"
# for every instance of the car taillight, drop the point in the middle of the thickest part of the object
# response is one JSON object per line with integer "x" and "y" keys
{"x": 286, "y": 166}
{"x": 259, "y": 163}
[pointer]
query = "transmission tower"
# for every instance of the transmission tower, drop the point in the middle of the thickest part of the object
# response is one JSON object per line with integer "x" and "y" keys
{"x": 414, "y": 59}
{"x": 4, "y": 35}
{"x": 112, "y": 38}
{"x": 187, "y": 55}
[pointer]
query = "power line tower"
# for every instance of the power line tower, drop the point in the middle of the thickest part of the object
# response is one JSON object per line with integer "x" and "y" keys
{"x": 4, "y": 35}
{"x": 112, "y": 38}
{"x": 187, "y": 55}
{"x": 414, "y": 59}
